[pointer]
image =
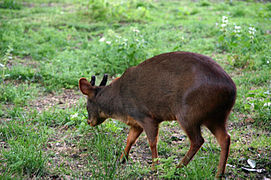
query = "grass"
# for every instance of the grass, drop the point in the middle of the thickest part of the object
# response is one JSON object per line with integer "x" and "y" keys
{"x": 46, "y": 46}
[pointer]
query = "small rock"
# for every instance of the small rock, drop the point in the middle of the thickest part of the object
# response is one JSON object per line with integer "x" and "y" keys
{"x": 75, "y": 156}
{"x": 250, "y": 120}
{"x": 252, "y": 163}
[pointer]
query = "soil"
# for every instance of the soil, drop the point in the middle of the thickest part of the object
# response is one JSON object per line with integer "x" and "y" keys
{"x": 66, "y": 99}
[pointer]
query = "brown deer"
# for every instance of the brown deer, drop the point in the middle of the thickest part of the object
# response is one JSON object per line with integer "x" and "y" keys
{"x": 187, "y": 87}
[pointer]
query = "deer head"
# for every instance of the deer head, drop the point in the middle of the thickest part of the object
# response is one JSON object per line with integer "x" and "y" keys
{"x": 95, "y": 116}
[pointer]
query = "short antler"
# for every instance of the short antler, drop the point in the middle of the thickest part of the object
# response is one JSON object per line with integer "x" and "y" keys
{"x": 103, "y": 83}
{"x": 92, "y": 82}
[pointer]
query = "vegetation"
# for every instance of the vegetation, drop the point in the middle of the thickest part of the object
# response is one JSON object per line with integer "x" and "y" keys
{"x": 47, "y": 45}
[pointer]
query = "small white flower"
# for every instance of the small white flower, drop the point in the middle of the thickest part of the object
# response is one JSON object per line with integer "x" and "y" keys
{"x": 267, "y": 104}
{"x": 237, "y": 29}
{"x": 251, "y": 30}
{"x": 108, "y": 42}
{"x": 223, "y": 25}
{"x": 102, "y": 39}
{"x": 216, "y": 24}
{"x": 267, "y": 62}
{"x": 225, "y": 19}
{"x": 135, "y": 30}
{"x": 124, "y": 43}
{"x": 2, "y": 65}
{"x": 74, "y": 115}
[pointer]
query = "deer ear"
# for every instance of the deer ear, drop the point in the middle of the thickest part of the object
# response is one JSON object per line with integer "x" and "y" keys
{"x": 86, "y": 88}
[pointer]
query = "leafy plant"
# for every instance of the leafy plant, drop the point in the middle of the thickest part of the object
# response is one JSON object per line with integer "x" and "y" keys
{"x": 259, "y": 102}
{"x": 116, "y": 53}
{"x": 239, "y": 40}
{"x": 10, "y": 4}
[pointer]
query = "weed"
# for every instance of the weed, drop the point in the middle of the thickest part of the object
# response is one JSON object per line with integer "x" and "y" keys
{"x": 259, "y": 102}
{"x": 242, "y": 42}
{"x": 10, "y": 4}
{"x": 116, "y": 53}
{"x": 131, "y": 10}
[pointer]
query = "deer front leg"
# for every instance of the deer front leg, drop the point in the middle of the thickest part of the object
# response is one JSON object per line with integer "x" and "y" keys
{"x": 134, "y": 133}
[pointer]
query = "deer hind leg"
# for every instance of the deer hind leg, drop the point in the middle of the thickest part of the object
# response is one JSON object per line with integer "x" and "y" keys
{"x": 134, "y": 133}
{"x": 224, "y": 141}
{"x": 196, "y": 140}
{"x": 151, "y": 128}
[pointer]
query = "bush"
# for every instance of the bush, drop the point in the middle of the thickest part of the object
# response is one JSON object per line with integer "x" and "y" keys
{"x": 242, "y": 42}
{"x": 114, "y": 53}
{"x": 134, "y": 10}
{"x": 10, "y": 4}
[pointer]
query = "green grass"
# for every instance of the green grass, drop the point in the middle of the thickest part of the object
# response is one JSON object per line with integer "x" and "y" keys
{"x": 23, "y": 154}
{"x": 47, "y": 45}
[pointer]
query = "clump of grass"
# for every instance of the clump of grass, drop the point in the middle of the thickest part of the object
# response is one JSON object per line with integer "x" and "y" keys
{"x": 204, "y": 3}
{"x": 24, "y": 157}
{"x": 104, "y": 150}
{"x": 258, "y": 102}
{"x": 130, "y": 10}
{"x": 202, "y": 165}
{"x": 10, "y": 4}
{"x": 17, "y": 94}
{"x": 24, "y": 150}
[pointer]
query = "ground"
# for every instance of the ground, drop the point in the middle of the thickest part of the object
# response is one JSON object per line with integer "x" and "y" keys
{"x": 64, "y": 150}
{"x": 46, "y": 46}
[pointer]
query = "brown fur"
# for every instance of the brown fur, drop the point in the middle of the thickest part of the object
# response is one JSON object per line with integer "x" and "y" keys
{"x": 187, "y": 87}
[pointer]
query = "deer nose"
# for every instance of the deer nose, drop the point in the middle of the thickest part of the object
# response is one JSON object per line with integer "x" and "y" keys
{"x": 89, "y": 122}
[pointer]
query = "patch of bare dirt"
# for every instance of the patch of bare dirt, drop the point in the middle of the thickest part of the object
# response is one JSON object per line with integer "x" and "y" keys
{"x": 26, "y": 61}
{"x": 66, "y": 99}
